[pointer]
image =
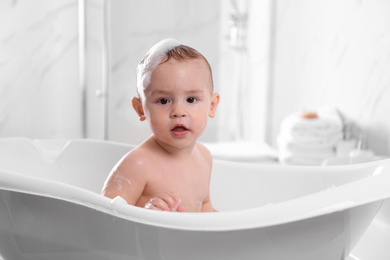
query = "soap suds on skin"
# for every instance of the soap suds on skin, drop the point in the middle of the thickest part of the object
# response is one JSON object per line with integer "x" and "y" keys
{"x": 119, "y": 179}
{"x": 152, "y": 59}
{"x": 118, "y": 200}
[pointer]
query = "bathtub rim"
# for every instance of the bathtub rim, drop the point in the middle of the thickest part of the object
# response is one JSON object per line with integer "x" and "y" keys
{"x": 277, "y": 214}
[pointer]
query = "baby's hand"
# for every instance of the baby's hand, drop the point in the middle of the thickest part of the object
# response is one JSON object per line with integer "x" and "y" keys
{"x": 165, "y": 202}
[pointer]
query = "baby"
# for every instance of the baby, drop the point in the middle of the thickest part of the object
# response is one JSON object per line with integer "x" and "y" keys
{"x": 169, "y": 171}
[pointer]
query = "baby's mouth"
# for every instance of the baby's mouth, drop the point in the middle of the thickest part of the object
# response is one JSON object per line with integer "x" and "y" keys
{"x": 180, "y": 130}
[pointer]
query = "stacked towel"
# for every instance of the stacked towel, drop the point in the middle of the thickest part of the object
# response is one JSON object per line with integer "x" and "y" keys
{"x": 309, "y": 140}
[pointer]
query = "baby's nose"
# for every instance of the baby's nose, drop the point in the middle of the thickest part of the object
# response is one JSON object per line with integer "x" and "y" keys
{"x": 178, "y": 110}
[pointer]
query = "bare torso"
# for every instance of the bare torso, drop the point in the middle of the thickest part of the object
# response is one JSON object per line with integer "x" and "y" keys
{"x": 148, "y": 171}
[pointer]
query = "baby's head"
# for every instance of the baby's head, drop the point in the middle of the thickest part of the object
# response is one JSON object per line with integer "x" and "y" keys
{"x": 161, "y": 53}
{"x": 175, "y": 93}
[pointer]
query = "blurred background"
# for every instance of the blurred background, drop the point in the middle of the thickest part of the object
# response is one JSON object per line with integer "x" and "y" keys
{"x": 67, "y": 67}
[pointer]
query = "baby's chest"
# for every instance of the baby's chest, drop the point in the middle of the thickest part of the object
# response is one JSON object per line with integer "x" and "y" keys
{"x": 187, "y": 182}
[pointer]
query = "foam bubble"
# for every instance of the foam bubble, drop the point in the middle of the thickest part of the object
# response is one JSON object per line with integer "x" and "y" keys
{"x": 118, "y": 200}
{"x": 152, "y": 59}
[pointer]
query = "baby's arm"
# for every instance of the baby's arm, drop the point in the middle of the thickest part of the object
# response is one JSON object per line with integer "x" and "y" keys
{"x": 128, "y": 179}
{"x": 125, "y": 180}
{"x": 206, "y": 205}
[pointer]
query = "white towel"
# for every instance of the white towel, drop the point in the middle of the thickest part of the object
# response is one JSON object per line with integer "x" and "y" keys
{"x": 327, "y": 123}
{"x": 309, "y": 141}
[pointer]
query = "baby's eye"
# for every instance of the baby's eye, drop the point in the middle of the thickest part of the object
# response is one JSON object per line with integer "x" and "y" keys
{"x": 163, "y": 101}
{"x": 191, "y": 100}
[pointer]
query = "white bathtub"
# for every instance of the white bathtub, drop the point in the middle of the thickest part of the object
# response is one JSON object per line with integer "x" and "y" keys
{"x": 50, "y": 208}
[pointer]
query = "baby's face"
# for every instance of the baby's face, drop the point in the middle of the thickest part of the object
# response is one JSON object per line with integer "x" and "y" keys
{"x": 179, "y": 101}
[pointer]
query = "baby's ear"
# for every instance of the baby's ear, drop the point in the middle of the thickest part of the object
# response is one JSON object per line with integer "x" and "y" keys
{"x": 214, "y": 104}
{"x": 137, "y": 105}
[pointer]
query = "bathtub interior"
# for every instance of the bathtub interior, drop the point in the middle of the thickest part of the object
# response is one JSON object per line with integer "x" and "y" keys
{"x": 241, "y": 186}
{"x": 43, "y": 175}
{"x": 234, "y": 186}
{"x": 80, "y": 163}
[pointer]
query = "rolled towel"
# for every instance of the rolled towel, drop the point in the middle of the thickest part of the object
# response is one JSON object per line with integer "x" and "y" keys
{"x": 327, "y": 123}
{"x": 304, "y": 157}
{"x": 309, "y": 142}
{"x": 309, "y": 138}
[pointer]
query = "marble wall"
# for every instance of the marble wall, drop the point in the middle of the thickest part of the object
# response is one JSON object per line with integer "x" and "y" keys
{"x": 333, "y": 53}
{"x": 40, "y": 95}
{"x": 321, "y": 53}
{"x": 244, "y": 70}
{"x": 57, "y": 58}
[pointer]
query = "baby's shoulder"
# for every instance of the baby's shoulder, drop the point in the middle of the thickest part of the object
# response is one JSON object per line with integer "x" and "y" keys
{"x": 137, "y": 161}
{"x": 204, "y": 152}
{"x": 136, "y": 156}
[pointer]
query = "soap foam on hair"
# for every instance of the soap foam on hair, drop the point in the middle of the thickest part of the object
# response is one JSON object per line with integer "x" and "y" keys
{"x": 152, "y": 59}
